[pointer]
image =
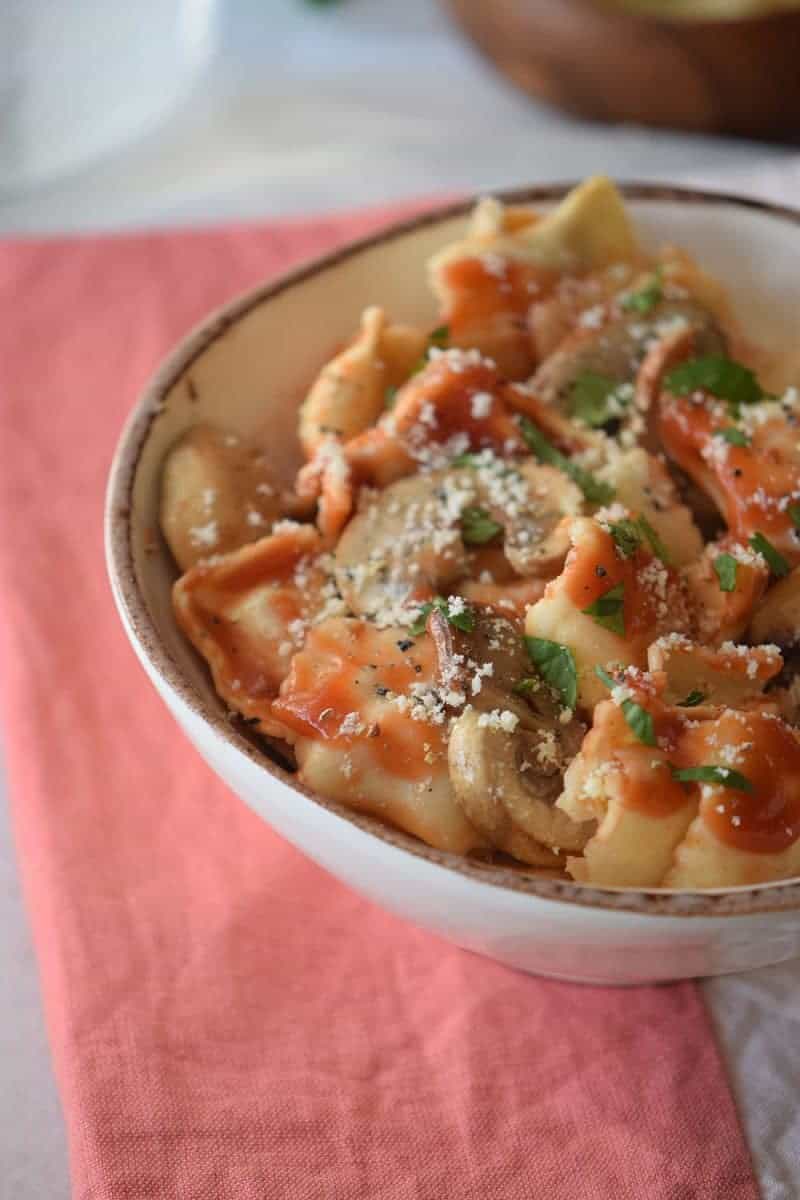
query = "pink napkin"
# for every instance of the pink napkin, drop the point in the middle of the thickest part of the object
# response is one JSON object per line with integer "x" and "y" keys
{"x": 227, "y": 1021}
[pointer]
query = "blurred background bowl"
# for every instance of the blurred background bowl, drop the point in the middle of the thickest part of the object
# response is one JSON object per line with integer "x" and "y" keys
{"x": 738, "y": 76}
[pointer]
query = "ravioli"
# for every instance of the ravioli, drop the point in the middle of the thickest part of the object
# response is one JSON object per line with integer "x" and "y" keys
{"x": 535, "y": 596}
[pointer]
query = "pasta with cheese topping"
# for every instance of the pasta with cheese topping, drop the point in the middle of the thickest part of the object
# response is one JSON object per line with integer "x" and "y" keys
{"x": 535, "y": 595}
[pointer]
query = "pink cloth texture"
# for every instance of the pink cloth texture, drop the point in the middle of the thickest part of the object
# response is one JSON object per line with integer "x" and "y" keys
{"x": 227, "y": 1021}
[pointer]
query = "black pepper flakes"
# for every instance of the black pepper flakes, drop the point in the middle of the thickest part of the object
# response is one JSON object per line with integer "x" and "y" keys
{"x": 405, "y": 644}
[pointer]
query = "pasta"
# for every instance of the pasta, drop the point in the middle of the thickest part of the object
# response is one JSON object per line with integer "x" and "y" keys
{"x": 535, "y": 595}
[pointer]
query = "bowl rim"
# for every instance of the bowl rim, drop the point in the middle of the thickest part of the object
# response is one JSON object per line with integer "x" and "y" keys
{"x": 781, "y": 895}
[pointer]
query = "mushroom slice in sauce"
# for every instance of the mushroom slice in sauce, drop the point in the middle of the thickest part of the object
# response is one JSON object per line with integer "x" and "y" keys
{"x": 619, "y": 349}
{"x": 507, "y": 758}
{"x": 405, "y": 543}
{"x": 537, "y": 532}
{"x": 217, "y": 493}
{"x": 410, "y": 541}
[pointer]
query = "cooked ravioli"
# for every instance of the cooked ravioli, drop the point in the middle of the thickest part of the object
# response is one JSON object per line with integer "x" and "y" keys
{"x": 544, "y": 607}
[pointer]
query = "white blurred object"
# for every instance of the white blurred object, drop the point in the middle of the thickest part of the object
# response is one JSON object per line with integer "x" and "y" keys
{"x": 80, "y": 77}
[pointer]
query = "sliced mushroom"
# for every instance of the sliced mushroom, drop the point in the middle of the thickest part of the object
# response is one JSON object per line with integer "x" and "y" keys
{"x": 217, "y": 493}
{"x": 537, "y": 532}
{"x": 618, "y": 349}
{"x": 507, "y": 783}
{"x": 506, "y": 756}
{"x": 491, "y": 655}
{"x": 454, "y": 404}
{"x": 405, "y": 542}
{"x": 411, "y": 540}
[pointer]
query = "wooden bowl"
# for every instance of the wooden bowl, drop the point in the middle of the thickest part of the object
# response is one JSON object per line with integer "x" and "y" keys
{"x": 737, "y": 76}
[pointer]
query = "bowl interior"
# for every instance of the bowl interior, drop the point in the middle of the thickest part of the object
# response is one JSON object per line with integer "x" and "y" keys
{"x": 248, "y": 366}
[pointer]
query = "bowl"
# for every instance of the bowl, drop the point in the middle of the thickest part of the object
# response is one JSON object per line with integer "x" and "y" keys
{"x": 247, "y": 367}
{"x": 600, "y": 60}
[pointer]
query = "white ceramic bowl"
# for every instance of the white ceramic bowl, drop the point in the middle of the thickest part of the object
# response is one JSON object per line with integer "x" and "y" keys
{"x": 247, "y": 367}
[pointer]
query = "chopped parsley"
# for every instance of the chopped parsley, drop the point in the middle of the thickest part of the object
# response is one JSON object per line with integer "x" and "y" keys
{"x": 639, "y": 719}
{"x": 462, "y": 618}
{"x": 645, "y": 298}
{"x": 775, "y": 560}
{"x": 477, "y": 527}
{"x": 724, "y": 776}
{"x": 722, "y": 377}
{"x": 656, "y": 544}
{"x": 595, "y": 399}
{"x": 726, "y": 568}
{"x": 629, "y": 533}
{"x": 692, "y": 700}
{"x": 468, "y": 459}
{"x": 608, "y": 610}
{"x": 556, "y": 665}
{"x": 525, "y": 686}
{"x": 733, "y": 436}
{"x": 627, "y": 536}
{"x": 794, "y": 514}
{"x": 593, "y": 489}
{"x": 437, "y": 339}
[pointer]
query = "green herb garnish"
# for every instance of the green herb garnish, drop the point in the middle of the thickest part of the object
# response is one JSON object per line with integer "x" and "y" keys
{"x": 721, "y": 376}
{"x": 645, "y": 299}
{"x": 477, "y": 527}
{"x": 726, "y": 568}
{"x": 468, "y": 459}
{"x": 732, "y": 435}
{"x": 630, "y": 532}
{"x": 593, "y": 489}
{"x": 775, "y": 560}
{"x": 692, "y": 700}
{"x": 627, "y": 536}
{"x": 556, "y": 665}
{"x": 608, "y": 610}
{"x": 639, "y": 719}
{"x": 595, "y": 399}
{"x": 463, "y": 619}
{"x": 711, "y": 774}
{"x": 794, "y": 514}
{"x": 390, "y": 396}
{"x": 525, "y": 686}
{"x": 653, "y": 537}
{"x": 438, "y": 338}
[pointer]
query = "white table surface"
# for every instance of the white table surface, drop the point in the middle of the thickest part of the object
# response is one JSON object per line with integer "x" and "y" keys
{"x": 305, "y": 110}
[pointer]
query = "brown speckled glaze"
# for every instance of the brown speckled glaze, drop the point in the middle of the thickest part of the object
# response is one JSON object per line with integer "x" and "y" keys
{"x": 773, "y": 897}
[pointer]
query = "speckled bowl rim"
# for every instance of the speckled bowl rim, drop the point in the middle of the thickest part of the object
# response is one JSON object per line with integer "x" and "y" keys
{"x": 781, "y": 896}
